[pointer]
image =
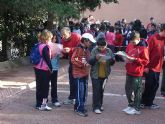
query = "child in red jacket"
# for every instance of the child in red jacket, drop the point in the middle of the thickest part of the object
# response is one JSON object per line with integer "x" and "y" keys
{"x": 137, "y": 59}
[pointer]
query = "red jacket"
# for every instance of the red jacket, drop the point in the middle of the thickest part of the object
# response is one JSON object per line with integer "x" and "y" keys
{"x": 140, "y": 52}
{"x": 118, "y": 39}
{"x": 72, "y": 42}
{"x": 156, "y": 52}
{"x": 78, "y": 68}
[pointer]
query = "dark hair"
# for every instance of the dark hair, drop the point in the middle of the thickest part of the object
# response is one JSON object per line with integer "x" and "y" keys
{"x": 101, "y": 42}
{"x": 102, "y": 27}
{"x": 137, "y": 25}
{"x": 134, "y": 35}
{"x": 143, "y": 33}
{"x": 111, "y": 28}
{"x": 84, "y": 40}
{"x": 151, "y": 18}
{"x": 162, "y": 27}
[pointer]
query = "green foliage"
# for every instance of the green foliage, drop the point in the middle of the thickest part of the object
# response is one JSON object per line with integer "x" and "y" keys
{"x": 20, "y": 18}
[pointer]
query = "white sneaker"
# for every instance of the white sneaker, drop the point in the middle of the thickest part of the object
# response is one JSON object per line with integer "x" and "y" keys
{"x": 127, "y": 109}
{"x": 57, "y": 104}
{"x": 97, "y": 111}
{"x": 45, "y": 108}
{"x": 133, "y": 112}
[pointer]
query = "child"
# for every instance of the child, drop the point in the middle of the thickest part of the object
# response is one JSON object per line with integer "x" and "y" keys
{"x": 137, "y": 59}
{"x": 55, "y": 57}
{"x": 101, "y": 60}
{"x": 80, "y": 71}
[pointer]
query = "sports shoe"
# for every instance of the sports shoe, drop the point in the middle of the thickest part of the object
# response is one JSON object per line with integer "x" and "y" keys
{"x": 142, "y": 106}
{"x": 154, "y": 106}
{"x": 57, "y": 104}
{"x": 85, "y": 110}
{"x": 69, "y": 101}
{"x": 127, "y": 109}
{"x": 163, "y": 95}
{"x": 133, "y": 112}
{"x": 102, "y": 108}
{"x": 44, "y": 107}
{"x": 83, "y": 114}
{"x": 97, "y": 111}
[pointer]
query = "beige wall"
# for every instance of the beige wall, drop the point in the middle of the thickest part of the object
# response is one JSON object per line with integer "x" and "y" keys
{"x": 131, "y": 9}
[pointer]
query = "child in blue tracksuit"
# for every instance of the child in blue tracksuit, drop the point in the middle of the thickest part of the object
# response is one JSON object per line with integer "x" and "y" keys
{"x": 80, "y": 71}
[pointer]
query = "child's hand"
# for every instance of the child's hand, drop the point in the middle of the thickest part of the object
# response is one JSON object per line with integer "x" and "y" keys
{"x": 98, "y": 56}
{"x": 66, "y": 50}
{"x": 146, "y": 70}
{"x": 87, "y": 64}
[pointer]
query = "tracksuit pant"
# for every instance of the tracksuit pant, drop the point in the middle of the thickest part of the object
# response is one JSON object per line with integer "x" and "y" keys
{"x": 71, "y": 83}
{"x": 151, "y": 86}
{"x": 162, "y": 90}
{"x": 81, "y": 93}
{"x": 42, "y": 85}
{"x": 133, "y": 85}
{"x": 54, "y": 86}
{"x": 98, "y": 92}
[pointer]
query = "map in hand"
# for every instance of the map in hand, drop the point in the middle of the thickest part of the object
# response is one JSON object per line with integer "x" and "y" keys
{"x": 121, "y": 53}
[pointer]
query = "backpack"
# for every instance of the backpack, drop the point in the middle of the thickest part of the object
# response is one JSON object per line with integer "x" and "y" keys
{"x": 35, "y": 55}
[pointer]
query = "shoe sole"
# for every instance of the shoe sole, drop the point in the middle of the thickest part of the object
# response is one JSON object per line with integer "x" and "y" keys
{"x": 44, "y": 109}
{"x": 82, "y": 115}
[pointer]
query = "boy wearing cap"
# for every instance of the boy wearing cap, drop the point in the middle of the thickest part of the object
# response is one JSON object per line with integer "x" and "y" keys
{"x": 80, "y": 71}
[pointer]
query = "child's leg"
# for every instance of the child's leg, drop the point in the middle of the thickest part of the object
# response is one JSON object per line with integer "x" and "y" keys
{"x": 129, "y": 89}
{"x": 96, "y": 93}
{"x": 102, "y": 91}
{"x": 80, "y": 94}
{"x": 137, "y": 92}
{"x": 54, "y": 86}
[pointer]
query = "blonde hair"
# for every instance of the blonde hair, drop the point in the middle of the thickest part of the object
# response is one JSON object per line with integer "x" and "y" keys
{"x": 46, "y": 35}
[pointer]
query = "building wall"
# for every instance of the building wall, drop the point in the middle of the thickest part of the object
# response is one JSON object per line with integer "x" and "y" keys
{"x": 130, "y": 10}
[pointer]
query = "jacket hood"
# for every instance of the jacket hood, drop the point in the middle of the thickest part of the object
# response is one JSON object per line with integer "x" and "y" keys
{"x": 142, "y": 43}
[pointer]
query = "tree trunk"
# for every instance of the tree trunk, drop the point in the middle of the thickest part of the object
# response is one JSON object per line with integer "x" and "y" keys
{"x": 49, "y": 25}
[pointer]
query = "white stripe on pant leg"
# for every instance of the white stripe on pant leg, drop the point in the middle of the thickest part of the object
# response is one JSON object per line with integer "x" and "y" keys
{"x": 78, "y": 93}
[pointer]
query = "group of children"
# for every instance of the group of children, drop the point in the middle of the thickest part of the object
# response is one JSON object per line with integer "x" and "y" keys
{"x": 97, "y": 63}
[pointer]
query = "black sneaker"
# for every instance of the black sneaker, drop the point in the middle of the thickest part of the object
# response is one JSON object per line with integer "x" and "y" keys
{"x": 83, "y": 114}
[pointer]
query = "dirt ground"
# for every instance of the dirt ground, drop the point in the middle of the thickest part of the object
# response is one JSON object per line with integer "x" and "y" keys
{"x": 19, "y": 107}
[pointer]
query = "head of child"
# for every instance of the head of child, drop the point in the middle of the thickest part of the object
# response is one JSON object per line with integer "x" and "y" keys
{"x": 101, "y": 44}
{"x": 87, "y": 39}
{"x": 54, "y": 38}
{"x": 46, "y": 36}
{"x": 135, "y": 37}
